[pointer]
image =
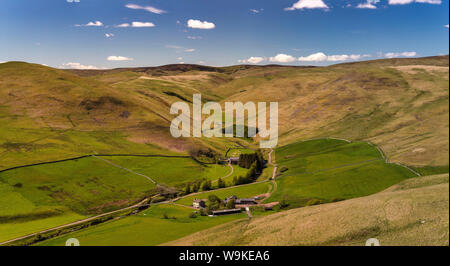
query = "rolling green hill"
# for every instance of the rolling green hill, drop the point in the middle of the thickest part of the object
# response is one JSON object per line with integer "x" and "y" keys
{"x": 47, "y": 114}
{"x": 327, "y": 170}
{"x": 412, "y": 213}
{"x": 149, "y": 228}
{"x": 399, "y": 104}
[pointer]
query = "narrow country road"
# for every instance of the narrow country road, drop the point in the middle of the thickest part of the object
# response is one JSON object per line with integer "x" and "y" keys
{"x": 231, "y": 173}
{"x": 275, "y": 167}
{"x": 74, "y": 223}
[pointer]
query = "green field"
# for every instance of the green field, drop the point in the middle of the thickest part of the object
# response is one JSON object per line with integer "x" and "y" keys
{"x": 236, "y": 152}
{"x": 432, "y": 170}
{"x": 329, "y": 170}
{"x": 86, "y": 186}
{"x": 147, "y": 228}
{"x": 244, "y": 191}
{"x": 162, "y": 170}
{"x": 51, "y": 114}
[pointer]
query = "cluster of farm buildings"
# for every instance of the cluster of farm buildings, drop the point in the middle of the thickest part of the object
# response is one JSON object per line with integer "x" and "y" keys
{"x": 239, "y": 205}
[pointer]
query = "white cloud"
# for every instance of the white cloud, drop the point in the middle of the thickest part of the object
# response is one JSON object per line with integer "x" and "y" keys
{"x": 123, "y": 25}
{"x": 370, "y": 4}
{"x": 181, "y": 48}
{"x": 307, "y": 4}
{"x": 197, "y": 24}
{"x": 404, "y": 54}
{"x": 256, "y": 11}
{"x": 91, "y": 24}
{"x": 252, "y": 60}
{"x": 180, "y": 58}
{"x": 73, "y": 1}
{"x": 194, "y": 37}
{"x": 321, "y": 57}
{"x": 73, "y": 65}
{"x": 146, "y": 8}
{"x": 282, "y": 58}
{"x": 174, "y": 47}
{"x": 136, "y": 24}
{"x": 446, "y": 26}
{"x": 404, "y": 2}
{"x": 318, "y": 57}
{"x": 109, "y": 35}
{"x": 119, "y": 58}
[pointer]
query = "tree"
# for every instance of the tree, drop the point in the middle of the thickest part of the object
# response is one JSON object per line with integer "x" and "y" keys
{"x": 221, "y": 183}
{"x": 214, "y": 202}
{"x": 213, "y": 198}
{"x": 195, "y": 187}
{"x": 231, "y": 204}
{"x": 187, "y": 190}
{"x": 206, "y": 185}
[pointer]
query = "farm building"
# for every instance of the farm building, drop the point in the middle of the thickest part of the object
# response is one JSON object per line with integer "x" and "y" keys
{"x": 230, "y": 198}
{"x": 198, "y": 203}
{"x": 246, "y": 202}
{"x": 238, "y": 201}
{"x": 226, "y": 212}
{"x": 233, "y": 160}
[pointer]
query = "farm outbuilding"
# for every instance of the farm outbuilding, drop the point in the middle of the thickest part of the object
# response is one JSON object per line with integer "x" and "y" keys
{"x": 199, "y": 203}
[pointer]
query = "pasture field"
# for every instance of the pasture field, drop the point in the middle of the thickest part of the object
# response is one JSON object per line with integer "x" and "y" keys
{"x": 432, "y": 170}
{"x": 411, "y": 213}
{"x": 236, "y": 152}
{"x": 91, "y": 185}
{"x": 86, "y": 186}
{"x": 147, "y": 228}
{"x": 20, "y": 216}
{"x": 37, "y": 221}
{"x": 244, "y": 191}
{"x": 175, "y": 171}
{"x": 327, "y": 170}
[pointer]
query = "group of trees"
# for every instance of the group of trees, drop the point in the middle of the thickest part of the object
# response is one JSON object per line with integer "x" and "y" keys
{"x": 215, "y": 203}
{"x": 247, "y": 160}
{"x": 255, "y": 168}
{"x": 199, "y": 185}
{"x": 254, "y": 162}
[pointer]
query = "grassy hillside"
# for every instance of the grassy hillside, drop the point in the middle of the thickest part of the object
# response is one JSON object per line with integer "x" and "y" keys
{"x": 51, "y": 114}
{"x": 414, "y": 212}
{"x": 399, "y": 104}
{"x": 149, "y": 228}
{"x": 327, "y": 170}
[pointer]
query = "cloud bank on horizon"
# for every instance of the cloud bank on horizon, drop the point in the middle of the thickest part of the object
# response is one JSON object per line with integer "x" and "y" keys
{"x": 319, "y": 32}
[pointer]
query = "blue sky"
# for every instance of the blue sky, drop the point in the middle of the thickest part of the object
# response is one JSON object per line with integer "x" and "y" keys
{"x": 118, "y": 33}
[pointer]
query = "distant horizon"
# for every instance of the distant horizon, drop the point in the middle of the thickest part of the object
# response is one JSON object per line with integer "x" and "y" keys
{"x": 105, "y": 34}
{"x": 225, "y": 66}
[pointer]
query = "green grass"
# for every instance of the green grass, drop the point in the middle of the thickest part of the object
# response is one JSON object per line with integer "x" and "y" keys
{"x": 432, "y": 170}
{"x": 90, "y": 185}
{"x": 10, "y": 231}
{"x": 245, "y": 191}
{"x": 330, "y": 170}
{"x": 20, "y": 216}
{"x": 86, "y": 186}
{"x": 148, "y": 228}
{"x": 171, "y": 171}
{"x": 310, "y": 156}
{"x": 236, "y": 152}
